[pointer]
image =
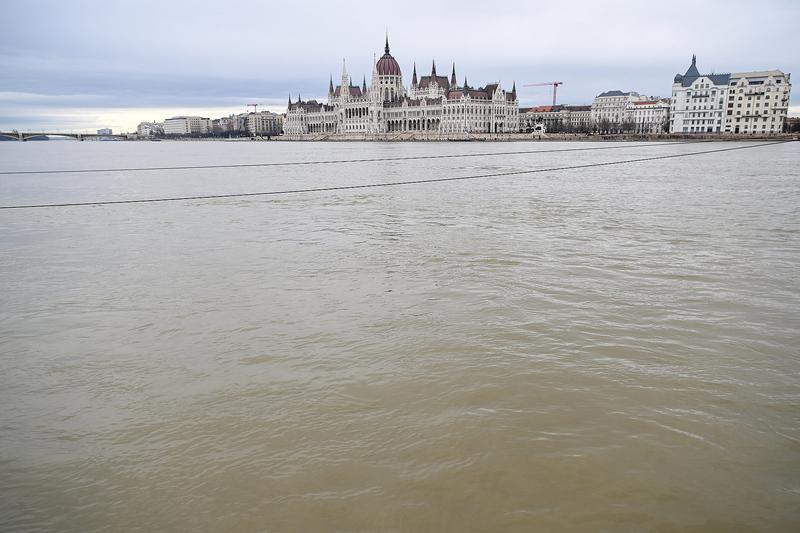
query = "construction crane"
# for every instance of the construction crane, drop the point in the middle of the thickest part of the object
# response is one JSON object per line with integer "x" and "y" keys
{"x": 254, "y": 106}
{"x": 555, "y": 85}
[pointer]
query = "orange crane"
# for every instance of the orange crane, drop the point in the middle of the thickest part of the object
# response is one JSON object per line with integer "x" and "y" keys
{"x": 555, "y": 85}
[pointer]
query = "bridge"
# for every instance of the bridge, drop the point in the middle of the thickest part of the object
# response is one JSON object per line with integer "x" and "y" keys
{"x": 29, "y": 135}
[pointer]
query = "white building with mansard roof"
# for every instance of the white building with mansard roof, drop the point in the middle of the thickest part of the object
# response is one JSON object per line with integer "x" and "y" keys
{"x": 433, "y": 104}
{"x": 744, "y": 102}
{"x": 758, "y": 102}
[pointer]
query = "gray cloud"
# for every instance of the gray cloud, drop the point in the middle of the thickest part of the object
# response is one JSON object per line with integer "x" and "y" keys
{"x": 179, "y": 54}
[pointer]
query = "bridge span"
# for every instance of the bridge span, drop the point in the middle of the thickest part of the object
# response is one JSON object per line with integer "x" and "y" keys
{"x": 28, "y": 135}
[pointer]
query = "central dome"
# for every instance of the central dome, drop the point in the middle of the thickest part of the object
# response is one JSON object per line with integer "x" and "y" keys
{"x": 387, "y": 65}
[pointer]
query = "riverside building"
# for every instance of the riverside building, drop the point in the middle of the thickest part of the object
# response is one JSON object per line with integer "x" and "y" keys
{"x": 263, "y": 123}
{"x": 230, "y": 124}
{"x": 150, "y": 129}
{"x": 187, "y": 125}
{"x": 610, "y": 109}
{"x": 758, "y": 102}
{"x": 555, "y": 119}
{"x": 744, "y": 102}
{"x": 698, "y": 101}
{"x": 648, "y": 116}
{"x": 432, "y": 104}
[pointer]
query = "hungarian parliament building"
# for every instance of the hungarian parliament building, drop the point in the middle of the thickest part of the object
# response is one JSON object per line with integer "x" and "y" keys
{"x": 434, "y": 104}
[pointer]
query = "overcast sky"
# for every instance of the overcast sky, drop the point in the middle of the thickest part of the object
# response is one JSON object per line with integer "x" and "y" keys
{"x": 81, "y": 64}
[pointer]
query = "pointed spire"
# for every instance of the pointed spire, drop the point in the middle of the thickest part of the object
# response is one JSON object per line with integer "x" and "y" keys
{"x": 692, "y": 70}
{"x": 299, "y": 100}
{"x": 364, "y": 85}
{"x": 351, "y": 81}
{"x": 386, "y": 48}
{"x": 290, "y": 100}
{"x": 414, "y": 76}
{"x": 453, "y": 76}
{"x": 330, "y": 85}
{"x": 344, "y": 69}
{"x": 433, "y": 70}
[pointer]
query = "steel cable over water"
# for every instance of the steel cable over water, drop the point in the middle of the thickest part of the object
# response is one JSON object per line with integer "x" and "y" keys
{"x": 332, "y": 161}
{"x": 387, "y": 184}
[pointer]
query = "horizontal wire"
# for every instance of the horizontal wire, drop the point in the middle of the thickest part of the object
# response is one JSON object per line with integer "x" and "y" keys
{"x": 387, "y": 184}
{"x": 329, "y": 162}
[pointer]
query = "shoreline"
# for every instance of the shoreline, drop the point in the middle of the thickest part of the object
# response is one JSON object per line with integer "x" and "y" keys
{"x": 494, "y": 137}
{"x": 516, "y": 137}
{"x": 478, "y": 137}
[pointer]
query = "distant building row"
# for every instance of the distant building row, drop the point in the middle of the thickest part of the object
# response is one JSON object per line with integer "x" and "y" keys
{"x": 630, "y": 112}
{"x": 611, "y": 111}
{"x": 742, "y": 102}
{"x": 745, "y": 102}
{"x": 263, "y": 123}
{"x": 432, "y": 104}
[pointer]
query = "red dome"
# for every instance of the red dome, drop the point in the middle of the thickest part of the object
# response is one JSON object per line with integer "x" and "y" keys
{"x": 387, "y": 65}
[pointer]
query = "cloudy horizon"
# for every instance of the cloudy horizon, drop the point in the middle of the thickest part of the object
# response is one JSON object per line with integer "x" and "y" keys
{"x": 84, "y": 65}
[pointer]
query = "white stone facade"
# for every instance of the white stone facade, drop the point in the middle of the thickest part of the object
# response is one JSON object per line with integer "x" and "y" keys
{"x": 187, "y": 125}
{"x": 698, "y": 102}
{"x": 648, "y": 116}
{"x": 560, "y": 118}
{"x": 263, "y": 123}
{"x": 434, "y": 104}
{"x": 579, "y": 116}
{"x": 611, "y": 107}
{"x": 230, "y": 124}
{"x": 149, "y": 129}
{"x": 745, "y": 102}
{"x": 758, "y": 102}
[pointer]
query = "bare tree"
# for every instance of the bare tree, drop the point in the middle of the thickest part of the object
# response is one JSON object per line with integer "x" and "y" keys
{"x": 628, "y": 126}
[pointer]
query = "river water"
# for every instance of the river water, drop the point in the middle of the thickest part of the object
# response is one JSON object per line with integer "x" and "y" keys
{"x": 604, "y": 349}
